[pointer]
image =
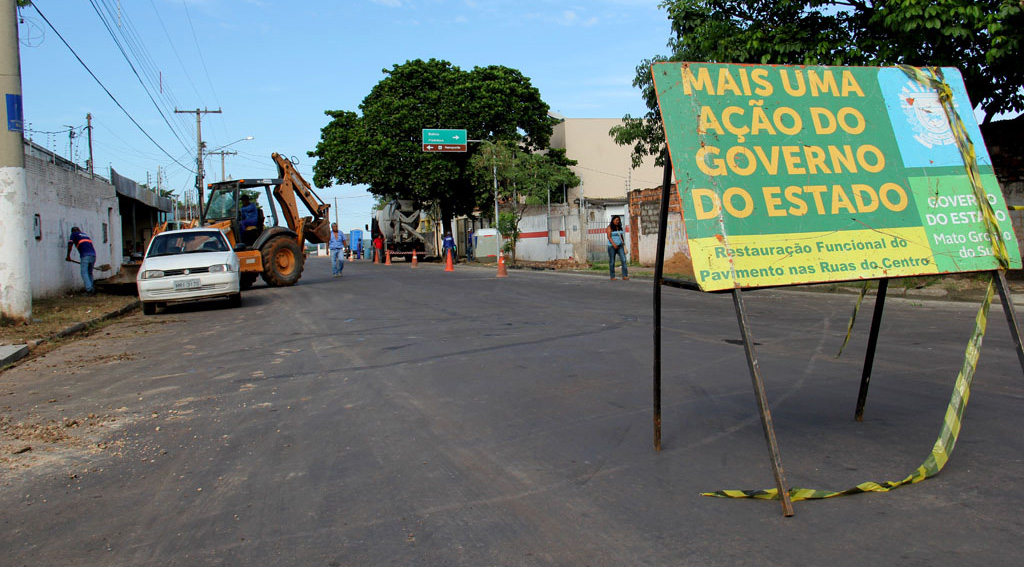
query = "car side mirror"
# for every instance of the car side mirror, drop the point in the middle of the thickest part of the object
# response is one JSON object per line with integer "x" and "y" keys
{"x": 241, "y": 247}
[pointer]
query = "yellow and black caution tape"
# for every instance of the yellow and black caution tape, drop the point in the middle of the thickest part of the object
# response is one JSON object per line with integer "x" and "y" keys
{"x": 932, "y": 77}
{"x": 853, "y": 318}
{"x": 943, "y": 447}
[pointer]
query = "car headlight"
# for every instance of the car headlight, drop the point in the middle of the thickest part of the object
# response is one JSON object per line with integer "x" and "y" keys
{"x": 152, "y": 274}
{"x": 217, "y": 268}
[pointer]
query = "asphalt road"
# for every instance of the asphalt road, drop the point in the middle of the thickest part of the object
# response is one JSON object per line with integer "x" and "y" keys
{"x": 416, "y": 417}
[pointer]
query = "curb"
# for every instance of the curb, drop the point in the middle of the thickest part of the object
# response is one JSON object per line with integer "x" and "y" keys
{"x": 838, "y": 288}
{"x": 9, "y": 354}
{"x": 79, "y": 327}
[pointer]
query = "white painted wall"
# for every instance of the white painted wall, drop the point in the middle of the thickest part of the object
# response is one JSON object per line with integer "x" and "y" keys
{"x": 63, "y": 198}
{"x": 534, "y": 244}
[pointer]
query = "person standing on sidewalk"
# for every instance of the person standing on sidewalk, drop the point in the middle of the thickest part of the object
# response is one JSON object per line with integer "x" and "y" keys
{"x": 617, "y": 246}
{"x": 337, "y": 248}
{"x": 86, "y": 256}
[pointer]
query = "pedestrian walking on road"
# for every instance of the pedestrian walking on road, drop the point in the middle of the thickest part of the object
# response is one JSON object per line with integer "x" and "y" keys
{"x": 337, "y": 248}
{"x": 86, "y": 256}
{"x": 617, "y": 246}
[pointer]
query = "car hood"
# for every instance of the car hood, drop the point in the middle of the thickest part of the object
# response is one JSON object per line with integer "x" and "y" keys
{"x": 193, "y": 260}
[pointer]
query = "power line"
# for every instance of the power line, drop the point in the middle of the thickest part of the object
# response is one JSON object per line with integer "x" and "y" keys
{"x": 170, "y": 41}
{"x": 105, "y": 89}
{"x": 133, "y": 42}
{"x": 199, "y": 51}
{"x": 121, "y": 48}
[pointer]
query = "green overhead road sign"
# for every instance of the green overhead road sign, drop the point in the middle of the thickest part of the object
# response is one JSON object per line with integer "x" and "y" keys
{"x": 444, "y": 140}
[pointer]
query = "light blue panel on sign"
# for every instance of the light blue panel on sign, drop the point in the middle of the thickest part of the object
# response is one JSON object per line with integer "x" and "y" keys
{"x": 920, "y": 124}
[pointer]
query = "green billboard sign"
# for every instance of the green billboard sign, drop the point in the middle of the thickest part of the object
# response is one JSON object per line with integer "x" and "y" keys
{"x": 796, "y": 174}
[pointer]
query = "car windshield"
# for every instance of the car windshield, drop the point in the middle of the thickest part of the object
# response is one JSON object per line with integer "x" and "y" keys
{"x": 222, "y": 205}
{"x": 168, "y": 244}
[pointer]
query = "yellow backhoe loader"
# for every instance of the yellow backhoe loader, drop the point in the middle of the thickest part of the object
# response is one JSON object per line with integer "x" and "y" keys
{"x": 273, "y": 252}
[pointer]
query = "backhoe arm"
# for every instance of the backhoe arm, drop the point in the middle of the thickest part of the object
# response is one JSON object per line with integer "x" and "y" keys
{"x": 316, "y": 229}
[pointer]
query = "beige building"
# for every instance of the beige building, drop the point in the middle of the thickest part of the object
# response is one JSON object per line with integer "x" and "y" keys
{"x": 604, "y": 166}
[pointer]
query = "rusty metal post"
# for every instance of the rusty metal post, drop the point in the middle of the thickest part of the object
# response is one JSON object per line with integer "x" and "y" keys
{"x": 666, "y": 194}
{"x": 1011, "y": 315}
{"x": 869, "y": 356}
{"x": 762, "y": 404}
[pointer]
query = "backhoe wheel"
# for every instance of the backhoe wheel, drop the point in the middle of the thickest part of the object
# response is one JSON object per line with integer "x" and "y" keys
{"x": 246, "y": 279}
{"x": 282, "y": 262}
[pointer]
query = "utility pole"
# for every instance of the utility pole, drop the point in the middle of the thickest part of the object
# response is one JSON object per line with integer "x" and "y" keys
{"x": 71, "y": 143}
{"x": 200, "y": 177}
{"x": 15, "y": 270}
{"x": 88, "y": 121}
{"x": 222, "y": 153}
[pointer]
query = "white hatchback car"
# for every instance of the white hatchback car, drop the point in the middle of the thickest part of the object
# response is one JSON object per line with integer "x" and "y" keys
{"x": 184, "y": 265}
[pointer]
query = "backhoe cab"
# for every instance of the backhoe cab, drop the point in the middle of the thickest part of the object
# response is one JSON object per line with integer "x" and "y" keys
{"x": 273, "y": 252}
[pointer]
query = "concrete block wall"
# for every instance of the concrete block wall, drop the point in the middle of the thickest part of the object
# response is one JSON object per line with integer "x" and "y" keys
{"x": 644, "y": 209}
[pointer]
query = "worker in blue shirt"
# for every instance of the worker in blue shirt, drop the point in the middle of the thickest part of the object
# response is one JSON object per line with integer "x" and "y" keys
{"x": 249, "y": 212}
{"x": 86, "y": 256}
{"x": 337, "y": 248}
{"x": 448, "y": 244}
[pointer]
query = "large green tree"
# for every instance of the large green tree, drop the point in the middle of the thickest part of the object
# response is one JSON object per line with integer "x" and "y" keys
{"x": 381, "y": 145}
{"x": 982, "y": 38}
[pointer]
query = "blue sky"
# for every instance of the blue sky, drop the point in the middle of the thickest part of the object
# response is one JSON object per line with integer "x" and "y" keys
{"x": 274, "y": 67}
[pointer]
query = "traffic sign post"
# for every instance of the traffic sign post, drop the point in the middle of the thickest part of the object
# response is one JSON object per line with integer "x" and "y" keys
{"x": 444, "y": 140}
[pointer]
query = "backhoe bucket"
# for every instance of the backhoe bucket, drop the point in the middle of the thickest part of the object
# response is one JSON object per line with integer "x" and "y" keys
{"x": 317, "y": 231}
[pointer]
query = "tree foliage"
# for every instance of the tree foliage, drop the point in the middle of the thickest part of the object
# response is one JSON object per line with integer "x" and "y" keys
{"x": 381, "y": 145}
{"x": 982, "y": 38}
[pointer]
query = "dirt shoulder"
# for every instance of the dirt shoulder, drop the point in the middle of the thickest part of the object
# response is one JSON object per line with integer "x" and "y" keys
{"x": 54, "y": 315}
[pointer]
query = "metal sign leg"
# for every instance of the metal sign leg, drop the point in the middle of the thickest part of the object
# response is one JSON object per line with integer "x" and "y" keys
{"x": 666, "y": 193}
{"x": 1011, "y": 315}
{"x": 869, "y": 356}
{"x": 762, "y": 405}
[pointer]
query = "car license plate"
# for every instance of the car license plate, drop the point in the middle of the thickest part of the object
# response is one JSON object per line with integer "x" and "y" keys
{"x": 188, "y": 284}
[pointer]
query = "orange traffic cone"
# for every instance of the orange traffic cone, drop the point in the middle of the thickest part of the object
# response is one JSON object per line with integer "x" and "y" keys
{"x": 376, "y": 256}
{"x": 502, "y": 270}
{"x": 448, "y": 267}
{"x": 415, "y": 263}
{"x": 387, "y": 258}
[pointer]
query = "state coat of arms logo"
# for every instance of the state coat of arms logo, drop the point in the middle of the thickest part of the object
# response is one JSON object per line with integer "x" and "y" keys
{"x": 925, "y": 115}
